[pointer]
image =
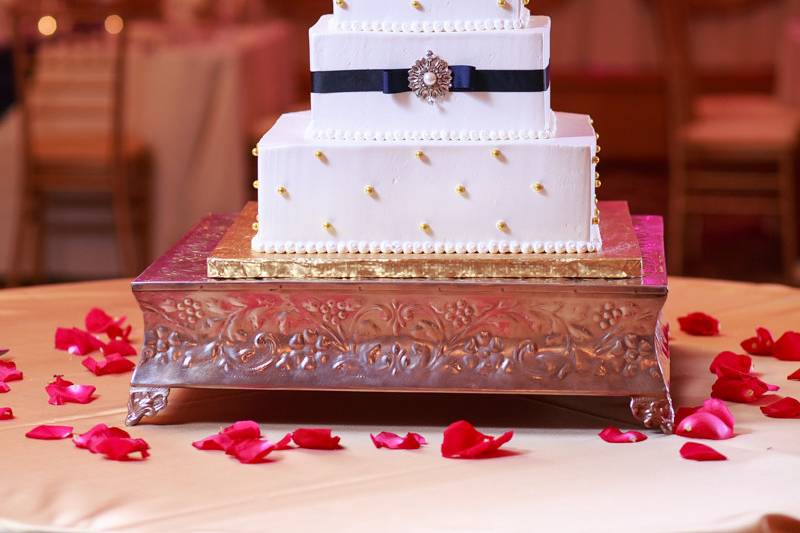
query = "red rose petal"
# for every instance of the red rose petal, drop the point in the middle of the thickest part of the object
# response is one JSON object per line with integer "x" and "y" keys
{"x": 393, "y": 441}
{"x": 46, "y": 432}
{"x": 4, "y": 351}
{"x": 794, "y": 376}
{"x": 229, "y": 436}
{"x": 615, "y": 436}
{"x": 761, "y": 344}
{"x": 120, "y": 448}
{"x": 9, "y": 372}
{"x": 784, "y": 408}
{"x": 62, "y": 391}
{"x": 6, "y": 413}
{"x": 787, "y": 347}
{"x": 91, "y": 438}
{"x": 118, "y": 346}
{"x": 76, "y": 341}
{"x": 729, "y": 364}
{"x": 251, "y": 451}
{"x": 98, "y": 321}
{"x": 316, "y": 439}
{"x": 284, "y": 443}
{"x": 110, "y": 364}
{"x": 694, "y": 451}
{"x": 743, "y": 389}
{"x": 462, "y": 440}
{"x": 4, "y": 387}
{"x": 699, "y": 324}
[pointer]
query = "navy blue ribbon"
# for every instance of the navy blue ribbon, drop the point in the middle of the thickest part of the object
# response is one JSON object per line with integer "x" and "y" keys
{"x": 465, "y": 79}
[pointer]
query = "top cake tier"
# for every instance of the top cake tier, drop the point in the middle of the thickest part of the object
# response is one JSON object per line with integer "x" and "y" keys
{"x": 430, "y": 15}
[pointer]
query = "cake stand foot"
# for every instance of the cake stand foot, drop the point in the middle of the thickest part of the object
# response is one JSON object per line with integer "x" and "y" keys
{"x": 654, "y": 412}
{"x": 145, "y": 401}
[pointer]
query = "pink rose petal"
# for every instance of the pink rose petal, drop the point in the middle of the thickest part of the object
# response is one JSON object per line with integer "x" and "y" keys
{"x": 393, "y": 441}
{"x": 118, "y": 346}
{"x": 76, "y": 341}
{"x": 98, "y": 321}
{"x": 120, "y": 448}
{"x": 284, "y": 443}
{"x": 316, "y": 439}
{"x": 91, "y": 438}
{"x": 62, "y": 391}
{"x": 694, "y": 451}
{"x": 743, "y": 389}
{"x": 761, "y": 344}
{"x": 463, "y": 441}
{"x": 251, "y": 451}
{"x": 46, "y": 432}
{"x": 729, "y": 364}
{"x": 699, "y": 324}
{"x": 712, "y": 420}
{"x": 6, "y": 413}
{"x": 9, "y": 372}
{"x": 615, "y": 436}
{"x": 787, "y": 347}
{"x": 784, "y": 408}
{"x": 227, "y": 437}
{"x": 110, "y": 364}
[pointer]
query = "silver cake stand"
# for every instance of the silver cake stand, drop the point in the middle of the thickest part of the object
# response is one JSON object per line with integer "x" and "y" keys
{"x": 554, "y": 336}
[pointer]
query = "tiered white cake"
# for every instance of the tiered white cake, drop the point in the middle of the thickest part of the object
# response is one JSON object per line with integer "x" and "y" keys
{"x": 430, "y": 132}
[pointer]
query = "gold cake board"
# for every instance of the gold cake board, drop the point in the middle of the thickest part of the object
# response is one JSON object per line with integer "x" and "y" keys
{"x": 620, "y": 258}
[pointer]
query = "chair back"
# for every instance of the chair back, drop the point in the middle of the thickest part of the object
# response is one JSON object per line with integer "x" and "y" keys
{"x": 70, "y": 63}
{"x": 677, "y": 19}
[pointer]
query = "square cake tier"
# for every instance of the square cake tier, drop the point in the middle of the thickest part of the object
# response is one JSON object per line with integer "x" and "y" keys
{"x": 500, "y": 86}
{"x": 512, "y": 196}
{"x": 429, "y": 15}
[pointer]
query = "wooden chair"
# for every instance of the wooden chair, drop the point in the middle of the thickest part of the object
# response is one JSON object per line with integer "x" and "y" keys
{"x": 729, "y": 154}
{"x": 70, "y": 90}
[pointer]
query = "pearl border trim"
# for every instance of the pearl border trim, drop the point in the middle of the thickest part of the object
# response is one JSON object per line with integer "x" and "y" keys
{"x": 434, "y": 135}
{"x": 445, "y": 26}
{"x": 425, "y": 247}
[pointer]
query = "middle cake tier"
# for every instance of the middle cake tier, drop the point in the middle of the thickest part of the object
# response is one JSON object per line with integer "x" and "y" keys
{"x": 471, "y": 85}
{"x": 514, "y": 196}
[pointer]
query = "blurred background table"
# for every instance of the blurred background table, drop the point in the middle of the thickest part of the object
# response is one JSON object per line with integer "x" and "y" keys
{"x": 563, "y": 477}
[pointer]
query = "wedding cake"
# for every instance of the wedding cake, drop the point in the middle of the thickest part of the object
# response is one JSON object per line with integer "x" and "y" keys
{"x": 430, "y": 132}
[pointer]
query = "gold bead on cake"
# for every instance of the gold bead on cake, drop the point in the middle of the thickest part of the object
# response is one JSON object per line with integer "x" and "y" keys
{"x": 595, "y": 160}
{"x": 460, "y": 189}
{"x": 419, "y": 154}
{"x": 538, "y": 187}
{"x": 595, "y": 221}
{"x": 255, "y": 184}
{"x": 281, "y": 190}
{"x": 501, "y": 3}
{"x": 496, "y": 153}
{"x": 369, "y": 190}
{"x": 255, "y": 226}
{"x": 341, "y": 3}
{"x": 416, "y": 4}
{"x": 425, "y": 227}
{"x": 598, "y": 184}
{"x": 254, "y": 151}
{"x": 599, "y": 149}
{"x": 502, "y": 225}
{"x": 319, "y": 155}
{"x": 526, "y": 2}
{"x": 327, "y": 225}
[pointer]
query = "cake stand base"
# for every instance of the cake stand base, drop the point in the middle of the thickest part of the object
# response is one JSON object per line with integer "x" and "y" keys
{"x": 593, "y": 337}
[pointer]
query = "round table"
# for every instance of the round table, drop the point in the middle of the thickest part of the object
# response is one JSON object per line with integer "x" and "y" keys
{"x": 561, "y": 476}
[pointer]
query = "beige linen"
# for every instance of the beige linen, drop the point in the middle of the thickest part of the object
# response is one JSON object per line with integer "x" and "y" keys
{"x": 564, "y": 478}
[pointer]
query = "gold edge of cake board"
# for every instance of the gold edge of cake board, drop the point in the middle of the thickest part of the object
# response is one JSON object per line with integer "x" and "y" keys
{"x": 620, "y": 258}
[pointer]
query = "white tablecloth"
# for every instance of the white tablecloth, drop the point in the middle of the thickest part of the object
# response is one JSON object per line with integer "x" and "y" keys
{"x": 191, "y": 100}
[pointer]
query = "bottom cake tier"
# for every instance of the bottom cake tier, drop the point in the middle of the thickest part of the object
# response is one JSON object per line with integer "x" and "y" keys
{"x": 393, "y": 196}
